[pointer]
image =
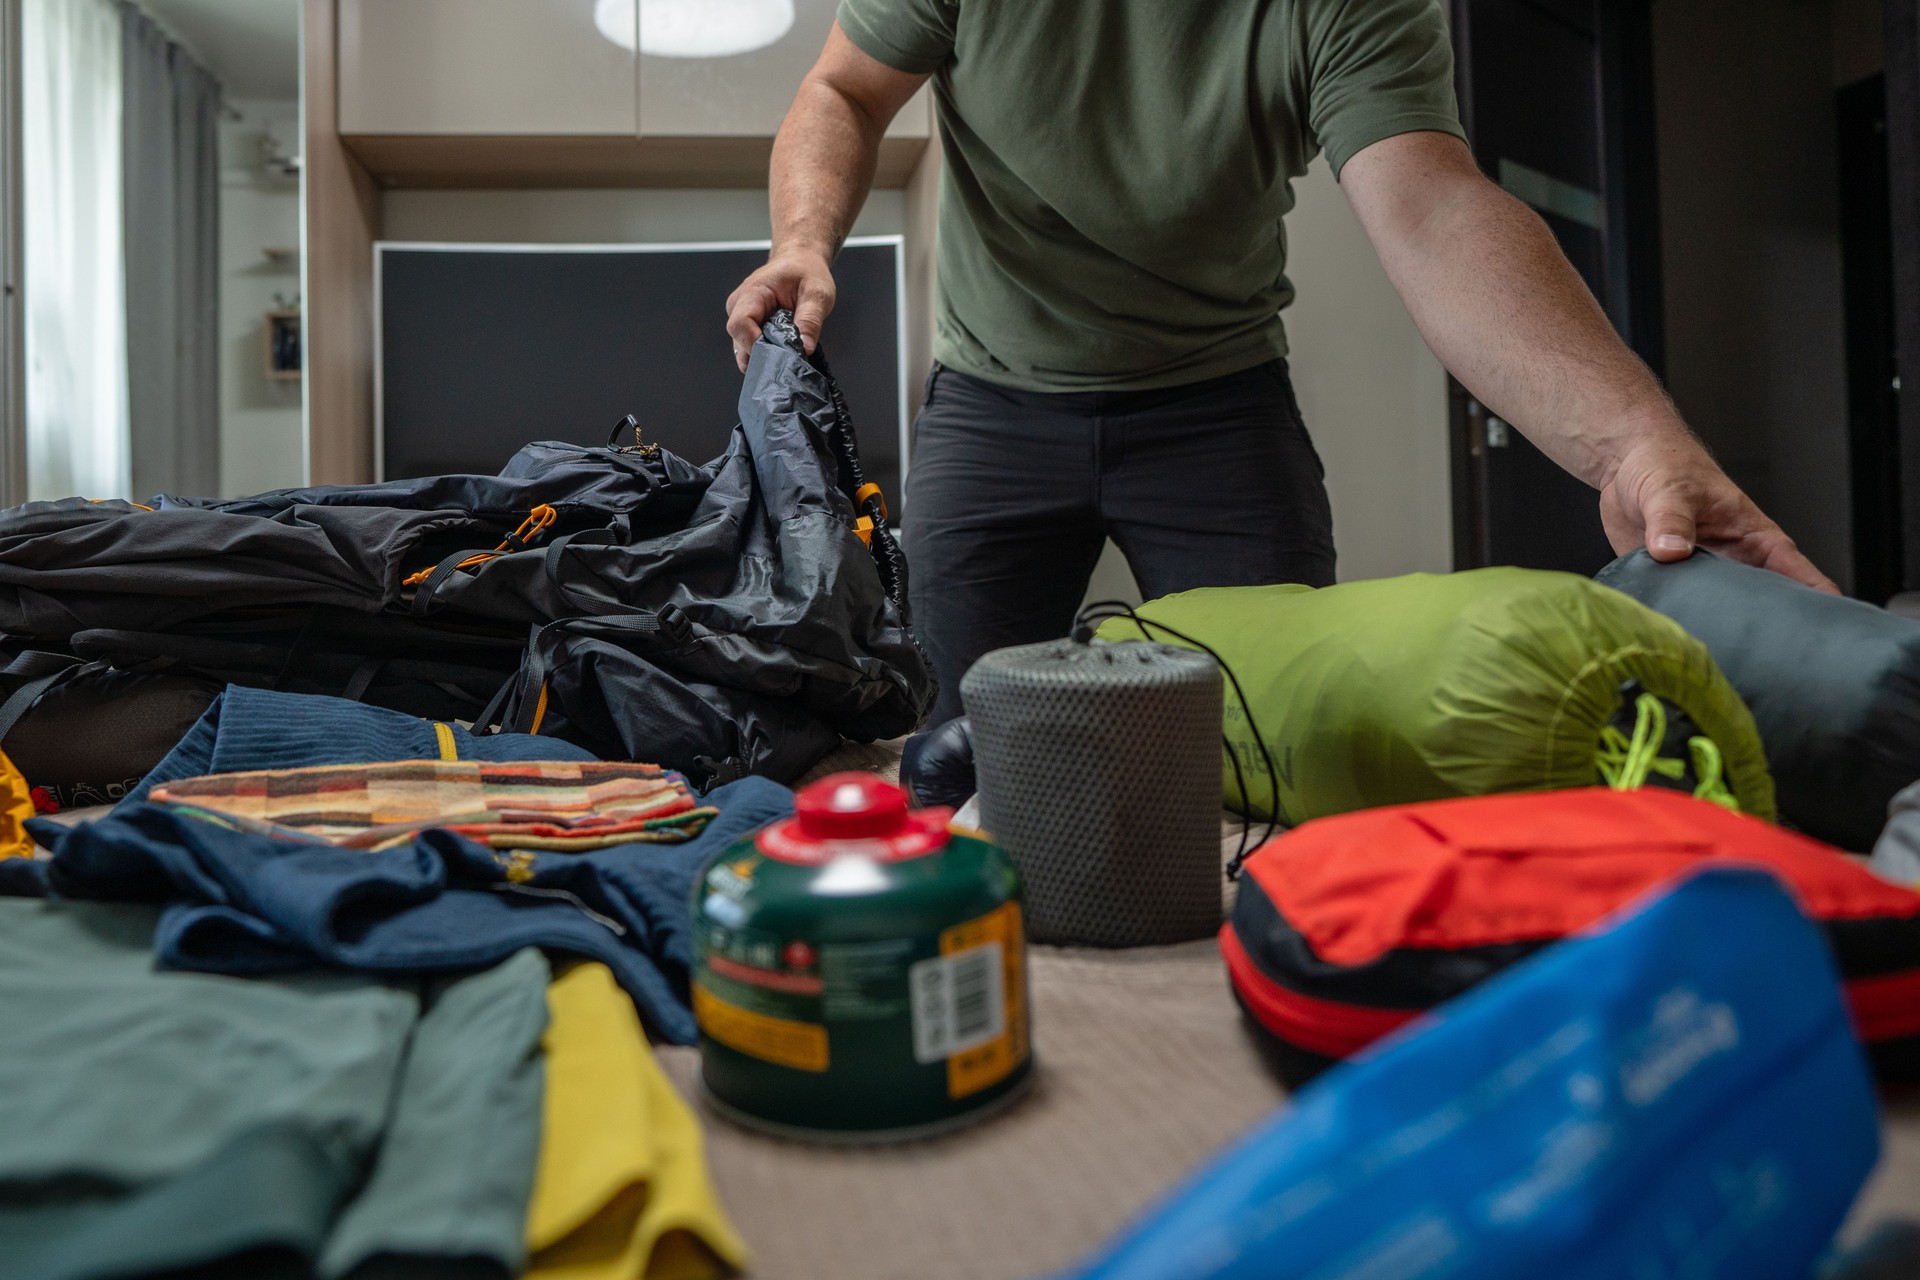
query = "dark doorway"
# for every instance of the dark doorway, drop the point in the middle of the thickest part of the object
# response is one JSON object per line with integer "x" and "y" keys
{"x": 1903, "y": 166}
{"x": 1873, "y": 397}
{"x": 1556, "y": 97}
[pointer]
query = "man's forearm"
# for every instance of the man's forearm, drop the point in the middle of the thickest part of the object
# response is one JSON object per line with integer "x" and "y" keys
{"x": 1501, "y": 306}
{"x": 823, "y": 165}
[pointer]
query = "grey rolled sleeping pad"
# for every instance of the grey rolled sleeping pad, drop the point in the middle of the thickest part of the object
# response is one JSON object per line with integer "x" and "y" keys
{"x": 1896, "y": 856}
{"x": 1834, "y": 684}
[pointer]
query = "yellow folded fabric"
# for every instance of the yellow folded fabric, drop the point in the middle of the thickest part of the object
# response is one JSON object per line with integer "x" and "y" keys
{"x": 16, "y": 806}
{"x": 621, "y": 1191}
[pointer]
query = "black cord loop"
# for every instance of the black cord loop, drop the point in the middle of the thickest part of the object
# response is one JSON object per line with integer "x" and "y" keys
{"x": 1089, "y": 618}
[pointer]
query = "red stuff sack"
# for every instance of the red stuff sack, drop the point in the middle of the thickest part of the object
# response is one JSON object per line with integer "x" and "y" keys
{"x": 1348, "y": 927}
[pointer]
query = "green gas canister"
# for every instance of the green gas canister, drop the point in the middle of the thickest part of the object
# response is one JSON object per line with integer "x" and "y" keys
{"x": 860, "y": 970}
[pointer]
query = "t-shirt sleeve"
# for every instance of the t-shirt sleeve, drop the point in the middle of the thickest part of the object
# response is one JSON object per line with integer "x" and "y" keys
{"x": 1375, "y": 69}
{"x": 915, "y": 36}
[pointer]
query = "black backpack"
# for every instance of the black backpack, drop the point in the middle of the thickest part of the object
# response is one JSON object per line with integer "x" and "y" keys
{"x": 737, "y": 617}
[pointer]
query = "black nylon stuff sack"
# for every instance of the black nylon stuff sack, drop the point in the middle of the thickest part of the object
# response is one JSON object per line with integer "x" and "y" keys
{"x": 736, "y": 617}
{"x": 1834, "y": 684}
{"x": 85, "y": 733}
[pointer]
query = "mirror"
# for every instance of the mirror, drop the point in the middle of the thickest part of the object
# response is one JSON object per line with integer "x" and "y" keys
{"x": 160, "y": 164}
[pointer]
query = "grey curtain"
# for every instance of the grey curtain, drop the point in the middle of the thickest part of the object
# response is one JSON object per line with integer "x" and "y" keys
{"x": 171, "y": 209}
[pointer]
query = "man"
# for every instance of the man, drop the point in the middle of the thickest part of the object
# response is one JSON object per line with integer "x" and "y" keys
{"x": 1110, "y": 359}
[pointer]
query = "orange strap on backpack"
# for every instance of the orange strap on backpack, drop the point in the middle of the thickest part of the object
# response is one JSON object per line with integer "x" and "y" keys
{"x": 538, "y": 521}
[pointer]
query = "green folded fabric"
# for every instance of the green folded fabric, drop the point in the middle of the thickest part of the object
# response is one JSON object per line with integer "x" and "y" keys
{"x": 1429, "y": 686}
{"x": 456, "y": 1163}
{"x": 163, "y": 1122}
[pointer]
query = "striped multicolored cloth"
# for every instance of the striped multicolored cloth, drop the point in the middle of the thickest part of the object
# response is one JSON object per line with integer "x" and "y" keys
{"x": 563, "y": 805}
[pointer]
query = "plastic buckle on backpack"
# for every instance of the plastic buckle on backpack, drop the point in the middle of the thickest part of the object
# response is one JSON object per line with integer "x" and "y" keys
{"x": 674, "y": 624}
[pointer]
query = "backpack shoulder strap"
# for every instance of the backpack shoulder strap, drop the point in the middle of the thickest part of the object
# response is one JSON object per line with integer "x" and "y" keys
{"x": 38, "y": 672}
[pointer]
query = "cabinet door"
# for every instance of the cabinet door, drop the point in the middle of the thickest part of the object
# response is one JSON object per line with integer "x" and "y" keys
{"x": 482, "y": 67}
{"x": 741, "y": 95}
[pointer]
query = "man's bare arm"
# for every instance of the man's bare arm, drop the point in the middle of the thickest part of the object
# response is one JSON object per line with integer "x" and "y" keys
{"x": 1498, "y": 302}
{"x": 823, "y": 163}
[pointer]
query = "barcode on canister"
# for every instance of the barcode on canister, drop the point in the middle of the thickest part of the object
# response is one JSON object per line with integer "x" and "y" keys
{"x": 959, "y": 1001}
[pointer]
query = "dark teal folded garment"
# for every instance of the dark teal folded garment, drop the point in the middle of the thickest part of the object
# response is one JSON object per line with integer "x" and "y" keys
{"x": 161, "y": 1123}
{"x": 258, "y": 1207}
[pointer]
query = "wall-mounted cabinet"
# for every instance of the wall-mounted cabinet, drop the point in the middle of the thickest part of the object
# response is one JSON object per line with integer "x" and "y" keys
{"x": 464, "y": 93}
{"x": 746, "y": 94}
{"x": 482, "y": 67}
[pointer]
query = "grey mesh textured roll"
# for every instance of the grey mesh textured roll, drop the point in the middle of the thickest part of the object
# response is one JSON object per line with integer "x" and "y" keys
{"x": 1099, "y": 772}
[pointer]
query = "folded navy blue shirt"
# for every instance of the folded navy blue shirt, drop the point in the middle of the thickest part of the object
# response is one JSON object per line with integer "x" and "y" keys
{"x": 245, "y": 903}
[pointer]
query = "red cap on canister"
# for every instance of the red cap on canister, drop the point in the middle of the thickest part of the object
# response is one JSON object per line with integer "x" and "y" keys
{"x": 854, "y": 813}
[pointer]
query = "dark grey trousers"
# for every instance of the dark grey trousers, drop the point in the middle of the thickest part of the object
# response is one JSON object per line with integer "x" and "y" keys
{"x": 1012, "y": 494}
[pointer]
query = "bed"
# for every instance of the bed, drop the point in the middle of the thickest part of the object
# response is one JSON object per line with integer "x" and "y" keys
{"x": 1143, "y": 1071}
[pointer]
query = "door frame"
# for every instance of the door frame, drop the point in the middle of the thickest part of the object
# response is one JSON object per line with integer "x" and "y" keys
{"x": 1630, "y": 173}
{"x": 1902, "y": 18}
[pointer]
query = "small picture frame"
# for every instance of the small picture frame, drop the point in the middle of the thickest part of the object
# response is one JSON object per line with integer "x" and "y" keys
{"x": 283, "y": 344}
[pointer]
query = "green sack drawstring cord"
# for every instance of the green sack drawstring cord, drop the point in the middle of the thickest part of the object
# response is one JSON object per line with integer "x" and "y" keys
{"x": 1626, "y": 763}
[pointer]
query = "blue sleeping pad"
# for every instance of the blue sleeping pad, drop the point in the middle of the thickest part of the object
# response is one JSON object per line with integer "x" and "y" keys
{"x": 1677, "y": 1094}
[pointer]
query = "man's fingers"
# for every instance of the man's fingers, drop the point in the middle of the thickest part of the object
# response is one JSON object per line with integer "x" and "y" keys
{"x": 1785, "y": 558}
{"x": 746, "y": 310}
{"x": 1771, "y": 548}
{"x": 816, "y": 300}
{"x": 739, "y": 326}
{"x": 1669, "y": 524}
{"x": 807, "y": 288}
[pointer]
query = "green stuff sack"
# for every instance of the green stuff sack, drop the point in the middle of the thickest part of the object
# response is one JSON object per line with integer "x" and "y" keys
{"x": 1431, "y": 686}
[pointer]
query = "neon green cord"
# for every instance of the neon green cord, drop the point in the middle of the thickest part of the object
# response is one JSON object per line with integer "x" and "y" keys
{"x": 1627, "y": 762}
{"x": 1711, "y": 770}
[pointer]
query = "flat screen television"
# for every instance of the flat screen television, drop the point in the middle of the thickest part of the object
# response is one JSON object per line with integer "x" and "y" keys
{"x": 480, "y": 348}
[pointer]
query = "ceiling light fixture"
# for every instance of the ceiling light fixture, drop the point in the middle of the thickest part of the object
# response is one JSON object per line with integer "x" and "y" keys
{"x": 694, "y": 28}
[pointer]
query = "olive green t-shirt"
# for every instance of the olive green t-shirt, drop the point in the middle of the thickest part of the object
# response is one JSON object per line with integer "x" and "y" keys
{"x": 1118, "y": 170}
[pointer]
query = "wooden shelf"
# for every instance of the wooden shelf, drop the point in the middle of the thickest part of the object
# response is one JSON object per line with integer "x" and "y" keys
{"x": 492, "y": 161}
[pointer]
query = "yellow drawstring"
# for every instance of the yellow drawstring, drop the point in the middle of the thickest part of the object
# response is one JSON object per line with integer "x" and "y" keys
{"x": 1627, "y": 762}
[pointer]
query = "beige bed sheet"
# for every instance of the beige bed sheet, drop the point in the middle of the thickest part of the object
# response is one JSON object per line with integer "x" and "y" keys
{"x": 1143, "y": 1071}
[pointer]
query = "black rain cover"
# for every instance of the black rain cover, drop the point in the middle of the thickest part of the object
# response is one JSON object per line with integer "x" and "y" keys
{"x": 720, "y": 619}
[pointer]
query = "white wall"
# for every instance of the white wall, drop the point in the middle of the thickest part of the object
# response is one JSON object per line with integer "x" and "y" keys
{"x": 1374, "y": 397}
{"x": 260, "y": 434}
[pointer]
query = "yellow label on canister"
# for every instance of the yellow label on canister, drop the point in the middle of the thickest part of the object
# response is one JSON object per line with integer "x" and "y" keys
{"x": 781, "y": 1041}
{"x": 984, "y": 1065}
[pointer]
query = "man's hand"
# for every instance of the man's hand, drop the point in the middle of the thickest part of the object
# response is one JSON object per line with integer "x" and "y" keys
{"x": 823, "y": 163}
{"x": 1670, "y": 496}
{"x": 1501, "y": 306}
{"x": 801, "y": 282}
